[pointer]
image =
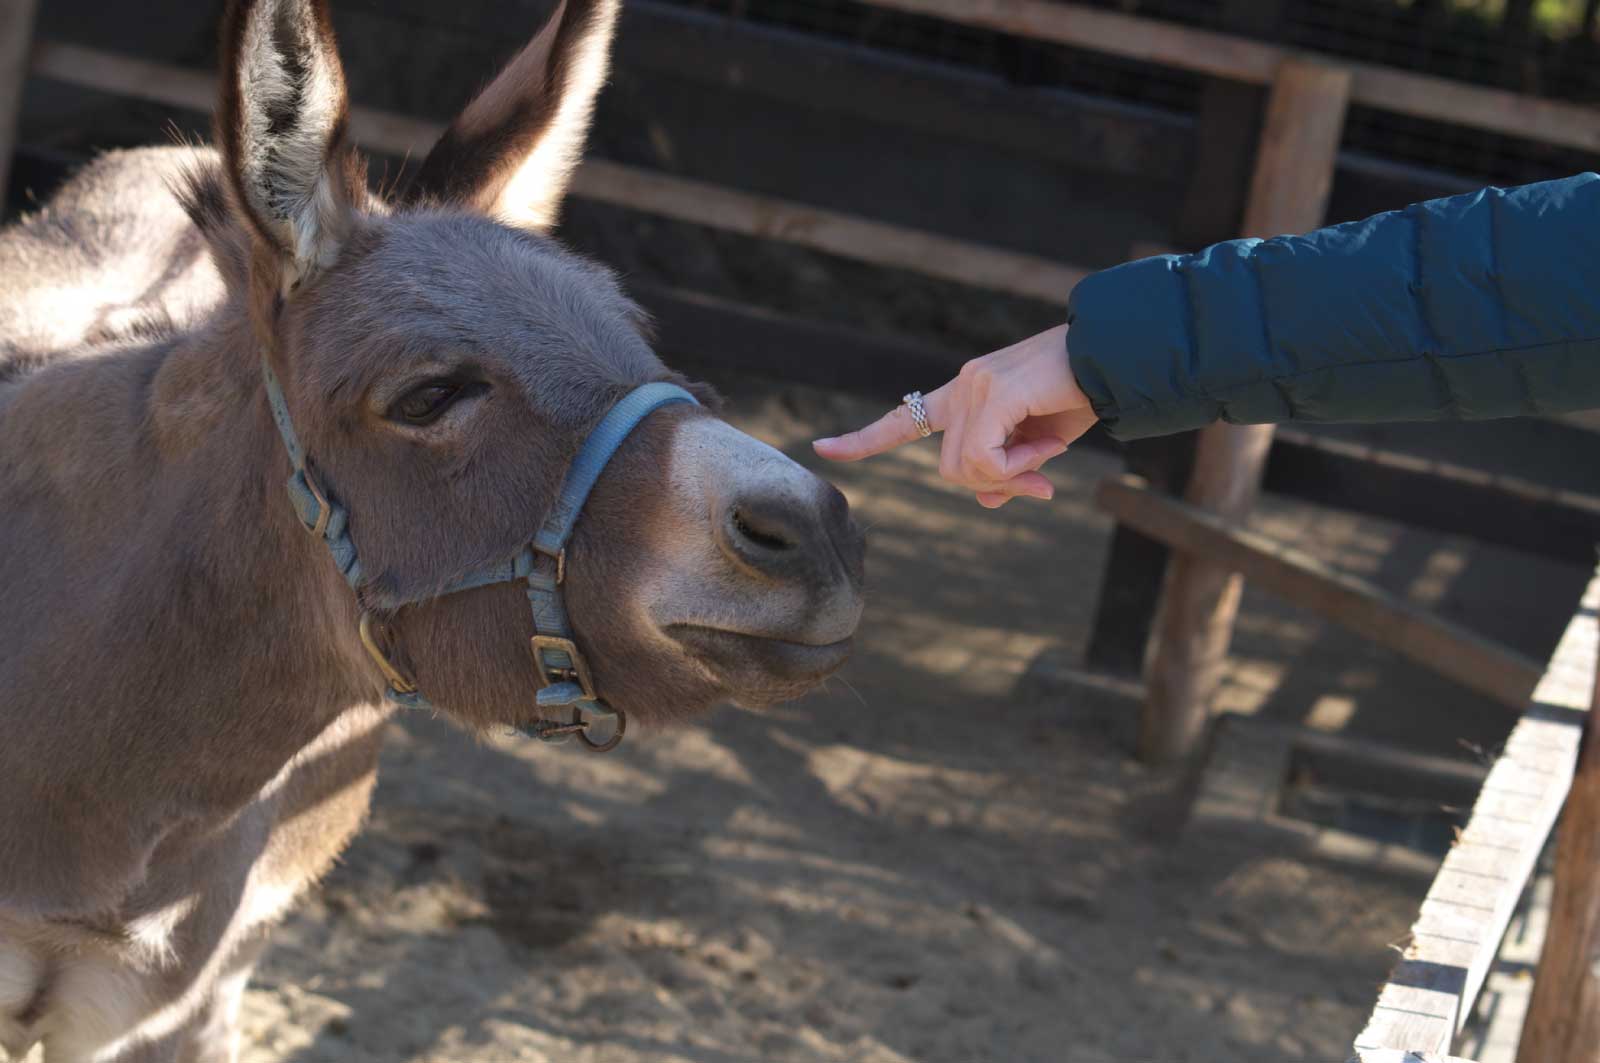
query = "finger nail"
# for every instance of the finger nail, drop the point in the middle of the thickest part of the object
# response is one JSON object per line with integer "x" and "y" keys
{"x": 1044, "y": 495}
{"x": 828, "y": 442}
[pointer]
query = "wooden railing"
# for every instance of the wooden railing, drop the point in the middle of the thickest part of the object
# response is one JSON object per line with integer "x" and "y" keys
{"x": 1256, "y": 62}
{"x": 1423, "y": 1006}
{"x": 1431, "y": 991}
{"x": 1129, "y": 36}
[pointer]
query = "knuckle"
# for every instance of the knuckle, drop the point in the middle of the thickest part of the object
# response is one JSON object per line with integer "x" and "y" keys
{"x": 978, "y": 372}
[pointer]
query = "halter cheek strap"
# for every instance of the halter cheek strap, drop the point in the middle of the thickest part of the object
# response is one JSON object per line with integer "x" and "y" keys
{"x": 564, "y": 678}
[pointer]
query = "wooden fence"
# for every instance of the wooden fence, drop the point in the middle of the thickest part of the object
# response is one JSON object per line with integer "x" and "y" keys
{"x": 1422, "y": 1008}
{"x": 1430, "y": 993}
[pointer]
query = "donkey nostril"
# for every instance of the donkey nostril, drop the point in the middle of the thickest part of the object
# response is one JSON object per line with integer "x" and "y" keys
{"x": 763, "y": 533}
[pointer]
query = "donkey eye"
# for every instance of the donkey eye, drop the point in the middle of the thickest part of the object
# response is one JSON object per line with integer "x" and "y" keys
{"x": 423, "y": 405}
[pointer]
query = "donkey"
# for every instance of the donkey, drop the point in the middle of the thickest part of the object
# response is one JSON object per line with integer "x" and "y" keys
{"x": 192, "y": 704}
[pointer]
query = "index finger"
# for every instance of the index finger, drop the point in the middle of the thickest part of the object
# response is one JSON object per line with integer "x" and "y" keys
{"x": 895, "y": 428}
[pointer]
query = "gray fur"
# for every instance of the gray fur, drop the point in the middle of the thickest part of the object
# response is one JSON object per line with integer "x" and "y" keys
{"x": 191, "y": 723}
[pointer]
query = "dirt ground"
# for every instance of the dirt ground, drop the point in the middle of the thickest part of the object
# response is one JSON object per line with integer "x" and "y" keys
{"x": 918, "y": 863}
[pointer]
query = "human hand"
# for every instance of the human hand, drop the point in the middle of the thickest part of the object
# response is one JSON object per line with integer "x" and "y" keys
{"x": 1003, "y": 417}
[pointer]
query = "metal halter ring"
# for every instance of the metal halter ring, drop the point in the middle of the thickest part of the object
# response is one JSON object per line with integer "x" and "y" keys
{"x": 919, "y": 413}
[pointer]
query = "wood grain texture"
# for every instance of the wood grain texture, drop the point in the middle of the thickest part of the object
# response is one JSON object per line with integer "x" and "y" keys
{"x": 1448, "y": 649}
{"x": 1390, "y": 1055}
{"x": 650, "y": 191}
{"x": 1563, "y": 1020}
{"x": 1200, "y": 600}
{"x": 1288, "y": 193}
{"x": 1464, "y": 916}
{"x": 1298, "y": 150}
{"x": 1223, "y": 56}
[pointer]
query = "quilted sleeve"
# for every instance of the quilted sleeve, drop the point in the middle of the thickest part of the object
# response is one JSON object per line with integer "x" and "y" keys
{"x": 1477, "y": 306}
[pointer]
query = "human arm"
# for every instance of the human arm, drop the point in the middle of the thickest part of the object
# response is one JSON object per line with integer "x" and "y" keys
{"x": 1476, "y": 306}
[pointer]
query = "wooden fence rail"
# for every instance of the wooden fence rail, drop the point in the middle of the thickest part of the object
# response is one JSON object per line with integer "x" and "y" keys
{"x": 1448, "y": 649}
{"x": 607, "y": 182}
{"x": 1430, "y": 993}
{"x": 1241, "y": 59}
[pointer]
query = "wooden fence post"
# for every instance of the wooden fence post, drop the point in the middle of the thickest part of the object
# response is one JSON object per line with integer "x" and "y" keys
{"x": 1563, "y": 1020}
{"x": 16, "y": 38}
{"x": 1288, "y": 194}
{"x": 1229, "y": 125}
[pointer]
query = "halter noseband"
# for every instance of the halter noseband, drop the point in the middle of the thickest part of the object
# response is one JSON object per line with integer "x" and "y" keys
{"x": 564, "y": 677}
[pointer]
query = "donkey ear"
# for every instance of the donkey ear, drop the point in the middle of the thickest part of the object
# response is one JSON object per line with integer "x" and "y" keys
{"x": 282, "y": 126}
{"x": 512, "y": 151}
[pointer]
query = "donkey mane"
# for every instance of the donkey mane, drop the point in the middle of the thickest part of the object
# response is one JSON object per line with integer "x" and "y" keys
{"x": 202, "y": 191}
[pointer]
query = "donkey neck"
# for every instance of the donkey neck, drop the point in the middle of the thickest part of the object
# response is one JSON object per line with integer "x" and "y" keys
{"x": 285, "y": 621}
{"x": 181, "y": 634}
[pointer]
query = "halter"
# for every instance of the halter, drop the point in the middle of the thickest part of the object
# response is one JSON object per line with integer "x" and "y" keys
{"x": 564, "y": 678}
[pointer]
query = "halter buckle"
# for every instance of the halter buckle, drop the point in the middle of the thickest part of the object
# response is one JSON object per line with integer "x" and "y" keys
{"x": 397, "y": 680}
{"x": 577, "y": 672}
{"x": 560, "y": 557}
{"x": 324, "y": 510}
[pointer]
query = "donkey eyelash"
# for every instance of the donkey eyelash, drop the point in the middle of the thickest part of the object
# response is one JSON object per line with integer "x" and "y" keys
{"x": 424, "y": 403}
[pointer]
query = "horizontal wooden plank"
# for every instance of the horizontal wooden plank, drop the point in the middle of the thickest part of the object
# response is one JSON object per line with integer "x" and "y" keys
{"x": 1430, "y": 993}
{"x": 1389, "y": 1055}
{"x": 1450, "y": 650}
{"x": 1444, "y": 496}
{"x": 653, "y": 192}
{"x": 1147, "y": 40}
{"x": 1236, "y": 58}
{"x": 1383, "y": 770}
{"x": 837, "y": 234}
{"x": 703, "y": 334}
{"x": 889, "y": 89}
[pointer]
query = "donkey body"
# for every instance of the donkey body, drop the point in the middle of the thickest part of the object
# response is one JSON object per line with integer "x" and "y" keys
{"x": 191, "y": 722}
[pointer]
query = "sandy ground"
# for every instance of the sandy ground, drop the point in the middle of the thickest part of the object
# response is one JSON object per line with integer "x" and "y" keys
{"x": 918, "y": 863}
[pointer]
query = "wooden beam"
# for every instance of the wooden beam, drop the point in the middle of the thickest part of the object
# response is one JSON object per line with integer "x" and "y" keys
{"x": 1224, "y": 56}
{"x": 1298, "y": 150}
{"x": 1288, "y": 193}
{"x": 1390, "y": 1055}
{"x": 1147, "y": 40}
{"x": 1563, "y": 1020}
{"x": 16, "y": 34}
{"x": 821, "y": 230}
{"x": 884, "y": 88}
{"x": 1227, "y": 128}
{"x": 1454, "y": 652}
{"x": 1238, "y": 806}
{"x": 1378, "y": 769}
{"x": 703, "y": 333}
{"x": 1431, "y": 991}
{"x": 1424, "y": 493}
{"x": 650, "y": 191}
{"x": 1136, "y": 565}
{"x": 1194, "y": 623}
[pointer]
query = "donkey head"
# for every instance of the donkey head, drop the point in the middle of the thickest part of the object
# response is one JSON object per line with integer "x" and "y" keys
{"x": 443, "y": 358}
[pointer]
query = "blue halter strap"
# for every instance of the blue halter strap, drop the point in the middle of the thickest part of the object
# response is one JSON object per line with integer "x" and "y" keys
{"x": 564, "y": 678}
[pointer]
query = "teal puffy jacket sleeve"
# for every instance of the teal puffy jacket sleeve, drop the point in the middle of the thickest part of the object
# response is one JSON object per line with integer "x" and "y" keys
{"x": 1476, "y": 306}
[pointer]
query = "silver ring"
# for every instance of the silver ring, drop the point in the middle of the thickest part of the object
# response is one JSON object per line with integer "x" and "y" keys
{"x": 919, "y": 413}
